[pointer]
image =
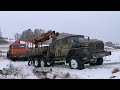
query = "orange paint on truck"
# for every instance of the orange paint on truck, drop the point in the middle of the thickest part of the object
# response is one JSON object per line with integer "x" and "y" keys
{"x": 17, "y": 49}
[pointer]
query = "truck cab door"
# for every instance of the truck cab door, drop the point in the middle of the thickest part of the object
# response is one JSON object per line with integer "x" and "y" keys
{"x": 51, "y": 49}
{"x": 57, "y": 48}
{"x": 66, "y": 46}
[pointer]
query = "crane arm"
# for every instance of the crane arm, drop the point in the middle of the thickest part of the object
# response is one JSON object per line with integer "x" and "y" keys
{"x": 45, "y": 36}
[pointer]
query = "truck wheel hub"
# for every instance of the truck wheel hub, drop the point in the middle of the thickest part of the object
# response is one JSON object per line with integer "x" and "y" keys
{"x": 74, "y": 64}
{"x": 36, "y": 63}
{"x": 42, "y": 63}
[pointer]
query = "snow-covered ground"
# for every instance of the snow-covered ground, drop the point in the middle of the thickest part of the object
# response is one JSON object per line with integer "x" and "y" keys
{"x": 20, "y": 70}
{"x": 16, "y": 70}
{"x": 3, "y": 50}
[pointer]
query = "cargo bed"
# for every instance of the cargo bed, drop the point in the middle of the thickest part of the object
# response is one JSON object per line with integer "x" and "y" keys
{"x": 37, "y": 51}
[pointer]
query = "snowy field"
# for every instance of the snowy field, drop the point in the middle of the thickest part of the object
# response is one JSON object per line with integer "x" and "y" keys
{"x": 4, "y": 49}
{"x": 20, "y": 70}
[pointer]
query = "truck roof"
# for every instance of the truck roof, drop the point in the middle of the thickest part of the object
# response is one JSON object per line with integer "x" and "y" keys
{"x": 17, "y": 44}
{"x": 71, "y": 36}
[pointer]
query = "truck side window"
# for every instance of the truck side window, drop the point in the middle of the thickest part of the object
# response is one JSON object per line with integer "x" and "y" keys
{"x": 69, "y": 41}
{"x": 58, "y": 42}
{"x": 65, "y": 41}
{"x": 51, "y": 46}
{"x": 10, "y": 47}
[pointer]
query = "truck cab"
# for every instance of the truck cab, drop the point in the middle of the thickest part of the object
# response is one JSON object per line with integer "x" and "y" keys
{"x": 17, "y": 51}
{"x": 77, "y": 51}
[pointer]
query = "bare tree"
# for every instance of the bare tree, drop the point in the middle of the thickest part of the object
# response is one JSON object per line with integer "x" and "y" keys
{"x": 27, "y": 35}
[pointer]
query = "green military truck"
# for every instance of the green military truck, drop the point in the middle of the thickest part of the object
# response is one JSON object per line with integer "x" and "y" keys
{"x": 75, "y": 50}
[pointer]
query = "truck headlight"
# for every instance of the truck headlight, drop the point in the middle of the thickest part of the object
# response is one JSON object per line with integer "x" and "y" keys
{"x": 85, "y": 50}
{"x": 86, "y": 45}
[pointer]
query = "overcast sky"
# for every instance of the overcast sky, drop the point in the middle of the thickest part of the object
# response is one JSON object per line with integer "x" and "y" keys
{"x": 103, "y": 25}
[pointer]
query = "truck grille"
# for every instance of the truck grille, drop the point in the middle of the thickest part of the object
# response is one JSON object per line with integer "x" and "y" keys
{"x": 92, "y": 48}
{"x": 95, "y": 48}
{"x": 99, "y": 47}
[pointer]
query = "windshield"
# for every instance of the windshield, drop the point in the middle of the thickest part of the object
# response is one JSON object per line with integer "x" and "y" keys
{"x": 17, "y": 46}
{"x": 77, "y": 39}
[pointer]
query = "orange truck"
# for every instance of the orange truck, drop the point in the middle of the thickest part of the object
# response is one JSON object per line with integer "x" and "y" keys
{"x": 17, "y": 51}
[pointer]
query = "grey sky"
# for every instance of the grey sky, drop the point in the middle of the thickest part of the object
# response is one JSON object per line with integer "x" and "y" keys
{"x": 103, "y": 25}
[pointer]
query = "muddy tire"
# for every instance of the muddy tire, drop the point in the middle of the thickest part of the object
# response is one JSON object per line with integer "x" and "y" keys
{"x": 76, "y": 63}
{"x": 52, "y": 63}
{"x": 29, "y": 63}
{"x": 43, "y": 62}
{"x": 99, "y": 61}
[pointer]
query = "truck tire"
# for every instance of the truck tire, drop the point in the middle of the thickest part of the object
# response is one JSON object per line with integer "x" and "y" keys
{"x": 99, "y": 61}
{"x": 36, "y": 63}
{"x": 52, "y": 63}
{"x": 76, "y": 63}
{"x": 30, "y": 62}
{"x": 43, "y": 62}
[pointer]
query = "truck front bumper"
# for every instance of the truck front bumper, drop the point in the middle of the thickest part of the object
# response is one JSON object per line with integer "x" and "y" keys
{"x": 102, "y": 54}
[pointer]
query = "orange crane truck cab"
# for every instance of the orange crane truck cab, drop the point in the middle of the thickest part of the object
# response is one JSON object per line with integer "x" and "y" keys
{"x": 17, "y": 51}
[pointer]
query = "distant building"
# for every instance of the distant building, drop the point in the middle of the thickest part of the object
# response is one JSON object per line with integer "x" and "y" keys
{"x": 17, "y": 36}
{"x": 109, "y": 44}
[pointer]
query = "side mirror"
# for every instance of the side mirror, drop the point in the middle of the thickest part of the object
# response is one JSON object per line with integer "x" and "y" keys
{"x": 88, "y": 38}
{"x": 57, "y": 33}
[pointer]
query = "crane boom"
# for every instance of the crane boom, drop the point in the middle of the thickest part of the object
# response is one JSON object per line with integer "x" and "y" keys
{"x": 45, "y": 36}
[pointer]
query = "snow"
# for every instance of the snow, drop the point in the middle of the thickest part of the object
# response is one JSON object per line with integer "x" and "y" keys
{"x": 106, "y": 47}
{"x": 4, "y": 49}
{"x": 21, "y": 70}
{"x": 115, "y": 56}
{"x": 88, "y": 73}
{"x": 25, "y": 69}
{"x": 3, "y": 63}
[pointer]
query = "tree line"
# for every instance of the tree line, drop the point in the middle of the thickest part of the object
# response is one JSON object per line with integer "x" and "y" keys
{"x": 3, "y": 39}
{"x": 29, "y": 34}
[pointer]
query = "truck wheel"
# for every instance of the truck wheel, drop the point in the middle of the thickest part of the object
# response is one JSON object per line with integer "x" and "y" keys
{"x": 52, "y": 63}
{"x": 76, "y": 63}
{"x": 99, "y": 61}
{"x": 36, "y": 62}
{"x": 29, "y": 62}
{"x": 93, "y": 63}
{"x": 43, "y": 62}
